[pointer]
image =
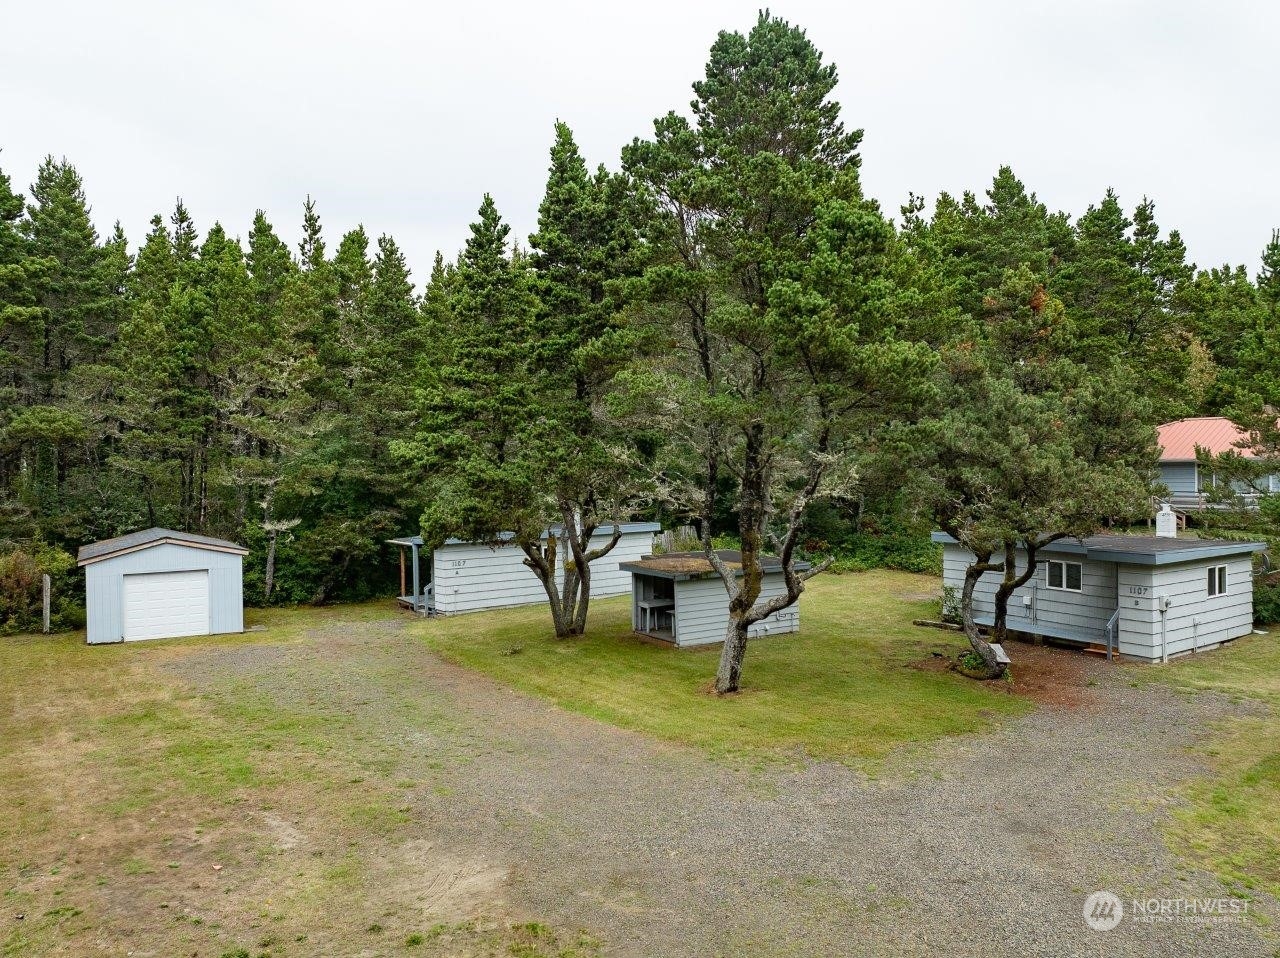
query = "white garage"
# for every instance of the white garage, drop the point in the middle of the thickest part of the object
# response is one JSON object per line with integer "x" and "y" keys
{"x": 160, "y": 583}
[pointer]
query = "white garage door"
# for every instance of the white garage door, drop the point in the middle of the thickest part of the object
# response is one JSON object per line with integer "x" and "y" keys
{"x": 163, "y": 604}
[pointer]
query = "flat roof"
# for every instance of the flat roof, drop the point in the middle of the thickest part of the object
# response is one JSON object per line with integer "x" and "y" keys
{"x": 695, "y": 565}
{"x": 146, "y": 538}
{"x": 508, "y": 536}
{"x": 1142, "y": 550}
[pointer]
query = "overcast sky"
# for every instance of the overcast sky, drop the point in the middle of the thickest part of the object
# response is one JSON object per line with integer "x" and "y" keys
{"x": 401, "y": 115}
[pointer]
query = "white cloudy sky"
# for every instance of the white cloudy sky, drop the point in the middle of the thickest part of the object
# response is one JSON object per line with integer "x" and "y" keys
{"x": 400, "y": 115}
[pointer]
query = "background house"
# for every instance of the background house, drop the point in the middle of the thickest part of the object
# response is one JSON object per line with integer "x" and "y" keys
{"x": 1186, "y": 479}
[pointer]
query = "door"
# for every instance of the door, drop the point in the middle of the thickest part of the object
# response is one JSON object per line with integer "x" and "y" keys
{"x": 165, "y": 604}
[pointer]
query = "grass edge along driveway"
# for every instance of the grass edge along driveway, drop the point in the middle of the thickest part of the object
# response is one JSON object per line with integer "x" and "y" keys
{"x": 1231, "y": 820}
{"x": 851, "y": 686}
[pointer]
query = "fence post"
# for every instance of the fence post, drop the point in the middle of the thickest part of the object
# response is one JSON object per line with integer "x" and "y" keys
{"x": 46, "y": 588}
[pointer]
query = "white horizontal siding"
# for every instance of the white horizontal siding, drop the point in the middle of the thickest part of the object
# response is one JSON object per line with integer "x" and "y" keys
{"x": 1076, "y": 615}
{"x": 702, "y": 611}
{"x": 104, "y": 587}
{"x": 469, "y": 577}
{"x": 1194, "y": 618}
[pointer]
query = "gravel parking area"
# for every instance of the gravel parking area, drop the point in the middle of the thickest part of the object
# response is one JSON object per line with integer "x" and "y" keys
{"x": 389, "y": 801}
{"x": 981, "y": 846}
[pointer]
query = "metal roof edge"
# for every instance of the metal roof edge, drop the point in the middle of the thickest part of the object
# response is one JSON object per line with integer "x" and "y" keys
{"x": 1208, "y": 552}
{"x": 231, "y": 549}
{"x": 505, "y": 536}
{"x": 1101, "y": 553}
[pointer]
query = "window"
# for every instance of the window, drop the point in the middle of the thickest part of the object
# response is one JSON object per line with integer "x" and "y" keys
{"x": 1217, "y": 580}
{"x": 1063, "y": 575}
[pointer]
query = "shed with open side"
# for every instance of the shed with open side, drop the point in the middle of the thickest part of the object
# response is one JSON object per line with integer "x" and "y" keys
{"x": 160, "y": 583}
{"x": 678, "y": 597}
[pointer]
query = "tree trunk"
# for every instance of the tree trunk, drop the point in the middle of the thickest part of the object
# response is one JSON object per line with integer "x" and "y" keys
{"x": 570, "y": 602}
{"x": 269, "y": 579}
{"x": 729, "y": 672}
{"x": 992, "y": 669}
{"x": 743, "y": 590}
{"x": 1014, "y": 580}
{"x": 1004, "y": 591}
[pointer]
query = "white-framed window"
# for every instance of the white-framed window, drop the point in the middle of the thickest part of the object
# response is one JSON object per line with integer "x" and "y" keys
{"x": 1063, "y": 575}
{"x": 1217, "y": 580}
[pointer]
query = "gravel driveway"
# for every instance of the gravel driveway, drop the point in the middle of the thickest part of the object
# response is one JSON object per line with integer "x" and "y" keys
{"x": 983, "y": 845}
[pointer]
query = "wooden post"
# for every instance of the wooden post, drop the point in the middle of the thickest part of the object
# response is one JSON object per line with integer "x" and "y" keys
{"x": 402, "y": 584}
{"x": 46, "y": 589}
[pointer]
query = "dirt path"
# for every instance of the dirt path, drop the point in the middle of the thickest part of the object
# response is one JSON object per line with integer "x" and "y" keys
{"x": 485, "y": 802}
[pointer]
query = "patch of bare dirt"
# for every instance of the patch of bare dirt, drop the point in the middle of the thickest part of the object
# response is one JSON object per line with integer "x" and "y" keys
{"x": 1052, "y": 676}
{"x": 1056, "y": 677}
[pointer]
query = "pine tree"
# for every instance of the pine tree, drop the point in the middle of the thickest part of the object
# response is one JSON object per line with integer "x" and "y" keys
{"x": 1269, "y": 277}
{"x": 77, "y": 297}
{"x": 270, "y": 266}
{"x": 21, "y": 331}
{"x": 76, "y": 291}
{"x": 486, "y": 441}
{"x": 766, "y": 297}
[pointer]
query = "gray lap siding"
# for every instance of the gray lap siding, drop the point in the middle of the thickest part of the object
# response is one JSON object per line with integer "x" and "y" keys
{"x": 1079, "y": 615}
{"x": 702, "y": 611}
{"x": 1194, "y": 618}
{"x": 468, "y": 577}
{"x": 1180, "y": 477}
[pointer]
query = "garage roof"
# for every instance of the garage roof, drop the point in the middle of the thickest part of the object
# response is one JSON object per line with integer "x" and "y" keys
{"x": 109, "y": 548}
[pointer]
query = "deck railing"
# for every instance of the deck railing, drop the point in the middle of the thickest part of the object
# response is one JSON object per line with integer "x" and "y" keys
{"x": 1200, "y": 500}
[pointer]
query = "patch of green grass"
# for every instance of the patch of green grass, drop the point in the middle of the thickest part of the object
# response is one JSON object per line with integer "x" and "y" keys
{"x": 845, "y": 687}
{"x": 1231, "y": 823}
{"x": 378, "y": 817}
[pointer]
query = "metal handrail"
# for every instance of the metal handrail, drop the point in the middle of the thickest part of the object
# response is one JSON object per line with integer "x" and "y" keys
{"x": 1111, "y": 631}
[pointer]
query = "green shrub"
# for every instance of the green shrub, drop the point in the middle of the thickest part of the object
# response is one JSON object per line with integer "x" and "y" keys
{"x": 1266, "y": 599}
{"x": 21, "y": 591}
{"x": 951, "y": 611}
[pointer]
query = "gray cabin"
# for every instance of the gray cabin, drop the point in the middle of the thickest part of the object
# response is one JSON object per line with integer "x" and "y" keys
{"x": 679, "y": 598}
{"x": 159, "y": 583}
{"x": 471, "y": 576}
{"x": 1144, "y": 597}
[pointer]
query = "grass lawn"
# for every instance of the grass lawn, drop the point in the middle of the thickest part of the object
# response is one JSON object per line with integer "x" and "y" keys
{"x": 1232, "y": 822}
{"x": 246, "y": 796}
{"x": 849, "y": 686}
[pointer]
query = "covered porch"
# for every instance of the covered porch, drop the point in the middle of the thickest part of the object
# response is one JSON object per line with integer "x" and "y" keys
{"x": 415, "y": 593}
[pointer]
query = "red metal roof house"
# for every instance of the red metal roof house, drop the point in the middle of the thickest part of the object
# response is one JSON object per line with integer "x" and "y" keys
{"x": 1179, "y": 469}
